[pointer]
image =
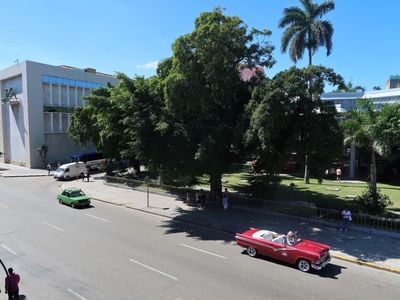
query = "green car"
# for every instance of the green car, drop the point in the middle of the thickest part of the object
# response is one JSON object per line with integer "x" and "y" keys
{"x": 74, "y": 197}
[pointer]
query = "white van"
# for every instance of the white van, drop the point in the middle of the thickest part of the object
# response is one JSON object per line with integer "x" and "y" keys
{"x": 70, "y": 171}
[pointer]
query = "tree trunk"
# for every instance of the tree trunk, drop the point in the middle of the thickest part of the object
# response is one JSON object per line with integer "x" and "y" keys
{"x": 373, "y": 169}
{"x": 306, "y": 172}
{"x": 215, "y": 185}
{"x": 309, "y": 56}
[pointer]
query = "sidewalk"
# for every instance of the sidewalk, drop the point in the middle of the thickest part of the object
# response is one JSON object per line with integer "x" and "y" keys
{"x": 358, "y": 246}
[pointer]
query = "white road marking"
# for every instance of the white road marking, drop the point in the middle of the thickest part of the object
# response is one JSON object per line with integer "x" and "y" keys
{"x": 3, "y": 205}
{"x": 53, "y": 226}
{"x": 153, "y": 269}
{"x": 9, "y": 250}
{"x": 98, "y": 218}
{"x": 76, "y": 294}
{"x": 204, "y": 251}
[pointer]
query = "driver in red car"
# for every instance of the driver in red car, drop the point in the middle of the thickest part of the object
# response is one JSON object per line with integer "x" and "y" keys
{"x": 291, "y": 238}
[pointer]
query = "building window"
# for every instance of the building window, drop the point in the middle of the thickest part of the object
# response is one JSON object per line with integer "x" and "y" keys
{"x": 46, "y": 94}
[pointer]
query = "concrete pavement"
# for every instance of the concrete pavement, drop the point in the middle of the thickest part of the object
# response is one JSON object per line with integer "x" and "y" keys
{"x": 365, "y": 248}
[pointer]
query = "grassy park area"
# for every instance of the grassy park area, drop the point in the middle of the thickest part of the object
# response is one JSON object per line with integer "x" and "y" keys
{"x": 329, "y": 194}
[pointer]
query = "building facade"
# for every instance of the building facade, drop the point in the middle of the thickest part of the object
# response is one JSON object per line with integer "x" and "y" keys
{"x": 36, "y": 108}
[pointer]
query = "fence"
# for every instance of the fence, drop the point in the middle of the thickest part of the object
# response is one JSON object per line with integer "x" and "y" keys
{"x": 188, "y": 195}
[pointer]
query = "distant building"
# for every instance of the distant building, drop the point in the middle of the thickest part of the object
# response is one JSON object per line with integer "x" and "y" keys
{"x": 36, "y": 108}
{"x": 393, "y": 82}
{"x": 345, "y": 101}
{"x": 246, "y": 73}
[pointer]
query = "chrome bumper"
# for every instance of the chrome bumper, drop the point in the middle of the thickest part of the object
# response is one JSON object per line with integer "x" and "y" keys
{"x": 320, "y": 265}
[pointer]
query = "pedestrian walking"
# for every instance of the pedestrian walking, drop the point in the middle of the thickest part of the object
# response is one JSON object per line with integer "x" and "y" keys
{"x": 338, "y": 174}
{"x": 11, "y": 285}
{"x": 346, "y": 215}
{"x": 87, "y": 173}
{"x": 202, "y": 199}
{"x": 225, "y": 199}
{"x": 48, "y": 168}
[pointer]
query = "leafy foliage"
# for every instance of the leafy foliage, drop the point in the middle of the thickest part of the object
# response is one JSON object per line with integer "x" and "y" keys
{"x": 306, "y": 30}
{"x": 373, "y": 200}
{"x": 287, "y": 116}
{"x": 205, "y": 96}
{"x": 373, "y": 130}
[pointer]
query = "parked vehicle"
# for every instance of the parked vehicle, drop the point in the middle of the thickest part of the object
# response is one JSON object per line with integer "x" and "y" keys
{"x": 69, "y": 171}
{"x": 74, "y": 197}
{"x": 92, "y": 160}
{"x": 305, "y": 254}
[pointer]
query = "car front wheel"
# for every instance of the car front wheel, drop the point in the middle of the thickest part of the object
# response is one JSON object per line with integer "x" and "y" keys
{"x": 303, "y": 265}
{"x": 73, "y": 205}
{"x": 60, "y": 201}
{"x": 251, "y": 251}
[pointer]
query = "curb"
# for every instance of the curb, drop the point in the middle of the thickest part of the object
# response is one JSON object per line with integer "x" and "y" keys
{"x": 337, "y": 256}
{"x": 365, "y": 263}
{"x": 24, "y": 175}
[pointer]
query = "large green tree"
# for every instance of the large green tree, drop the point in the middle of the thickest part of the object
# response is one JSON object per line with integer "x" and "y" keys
{"x": 120, "y": 120}
{"x": 287, "y": 116}
{"x": 205, "y": 96}
{"x": 305, "y": 29}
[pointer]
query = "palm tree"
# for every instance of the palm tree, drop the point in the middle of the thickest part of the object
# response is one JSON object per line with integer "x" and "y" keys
{"x": 306, "y": 30}
{"x": 349, "y": 87}
{"x": 361, "y": 127}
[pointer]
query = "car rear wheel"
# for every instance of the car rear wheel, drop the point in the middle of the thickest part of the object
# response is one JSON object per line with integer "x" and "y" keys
{"x": 251, "y": 251}
{"x": 68, "y": 178}
{"x": 303, "y": 265}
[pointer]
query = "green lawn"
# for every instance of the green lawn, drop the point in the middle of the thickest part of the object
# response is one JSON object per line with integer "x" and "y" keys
{"x": 329, "y": 194}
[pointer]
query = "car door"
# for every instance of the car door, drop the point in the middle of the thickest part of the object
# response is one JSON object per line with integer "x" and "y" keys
{"x": 281, "y": 251}
{"x": 65, "y": 197}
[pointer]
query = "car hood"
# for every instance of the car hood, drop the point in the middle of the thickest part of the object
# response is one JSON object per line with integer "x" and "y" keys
{"x": 311, "y": 246}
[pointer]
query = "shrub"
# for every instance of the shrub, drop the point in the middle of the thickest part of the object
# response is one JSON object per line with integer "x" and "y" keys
{"x": 372, "y": 200}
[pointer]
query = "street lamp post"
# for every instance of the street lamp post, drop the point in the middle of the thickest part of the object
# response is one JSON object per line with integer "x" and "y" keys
{"x": 147, "y": 180}
{"x": 4, "y": 267}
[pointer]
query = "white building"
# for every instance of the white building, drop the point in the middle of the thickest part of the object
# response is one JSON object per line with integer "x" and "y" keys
{"x": 36, "y": 108}
{"x": 345, "y": 101}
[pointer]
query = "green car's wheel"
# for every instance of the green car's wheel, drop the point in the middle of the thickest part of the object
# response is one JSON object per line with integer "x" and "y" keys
{"x": 60, "y": 201}
{"x": 73, "y": 204}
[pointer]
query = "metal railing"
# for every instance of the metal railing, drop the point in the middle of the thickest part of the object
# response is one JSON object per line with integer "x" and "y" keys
{"x": 188, "y": 195}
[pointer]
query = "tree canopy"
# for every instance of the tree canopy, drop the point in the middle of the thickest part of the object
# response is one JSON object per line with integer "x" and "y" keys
{"x": 287, "y": 116}
{"x": 205, "y": 95}
{"x": 305, "y": 29}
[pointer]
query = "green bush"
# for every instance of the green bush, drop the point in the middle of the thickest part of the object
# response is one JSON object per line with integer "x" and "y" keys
{"x": 372, "y": 200}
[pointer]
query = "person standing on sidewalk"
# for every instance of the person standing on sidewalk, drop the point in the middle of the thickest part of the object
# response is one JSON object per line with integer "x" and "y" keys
{"x": 48, "y": 168}
{"x": 338, "y": 174}
{"x": 11, "y": 285}
{"x": 87, "y": 173}
{"x": 225, "y": 199}
{"x": 346, "y": 215}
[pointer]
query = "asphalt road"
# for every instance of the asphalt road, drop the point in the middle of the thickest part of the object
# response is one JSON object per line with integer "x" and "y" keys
{"x": 110, "y": 252}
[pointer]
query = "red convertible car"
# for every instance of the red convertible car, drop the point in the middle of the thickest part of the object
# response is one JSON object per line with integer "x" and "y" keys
{"x": 304, "y": 254}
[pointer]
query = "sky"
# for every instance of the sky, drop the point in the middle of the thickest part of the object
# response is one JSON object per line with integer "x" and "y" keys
{"x": 131, "y": 36}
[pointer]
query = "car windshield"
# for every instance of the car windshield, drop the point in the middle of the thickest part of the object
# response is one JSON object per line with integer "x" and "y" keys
{"x": 60, "y": 170}
{"x": 76, "y": 194}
